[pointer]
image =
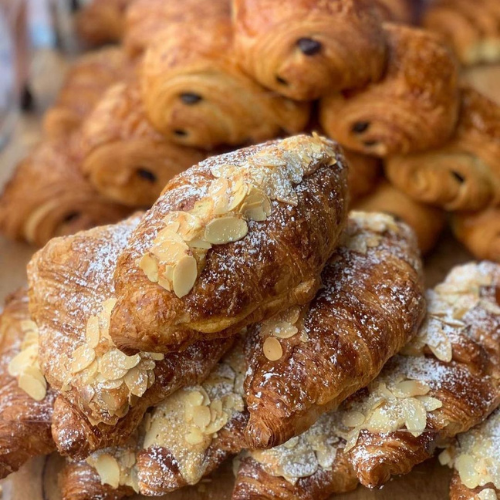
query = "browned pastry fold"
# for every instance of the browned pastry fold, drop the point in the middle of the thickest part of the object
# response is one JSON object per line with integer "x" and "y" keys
{"x": 48, "y": 196}
{"x": 233, "y": 240}
{"x": 371, "y": 303}
{"x": 476, "y": 461}
{"x": 146, "y": 18}
{"x": 396, "y": 11}
{"x": 364, "y": 174}
{"x": 83, "y": 86}
{"x": 196, "y": 94}
{"x": 24, "y": 420}
{"x": 427, "y": 222}
{"x": 123, "y": 156}
{"x": 413, "y": 108}
{"x": 471, "y": 28}
{"x": 102, "y": 21}
{"x": 479, "y": 232}
{"x": 462, "y": 174}
{"x": 304, "y": 49}
{"x": 103, "y": 393}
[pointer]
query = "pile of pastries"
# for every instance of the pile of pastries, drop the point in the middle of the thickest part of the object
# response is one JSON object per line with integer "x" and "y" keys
{"x": 384, "y": 78}
{"x": 249, "y": 315}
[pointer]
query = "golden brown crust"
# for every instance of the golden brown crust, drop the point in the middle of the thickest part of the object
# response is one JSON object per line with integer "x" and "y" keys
{"x": 413, "y": 108}
{"x": 458, "y": 490}
{"x": 427, "y": 222}
{"x": 24, "y": 422}
{"x": 48, "y": 196}
{"x": 396, "y": 11}
{"x": 196, "y": 94}
{"x": 274, "y": 267}
{"x": 364, "y": 174}
{"x": 335, "y": 339}
{"x": 304, "y": 49}
{"x": 464, "y": 173}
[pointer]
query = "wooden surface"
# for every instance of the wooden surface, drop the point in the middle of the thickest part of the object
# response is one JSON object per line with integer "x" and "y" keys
{"x": 429, "y": 481}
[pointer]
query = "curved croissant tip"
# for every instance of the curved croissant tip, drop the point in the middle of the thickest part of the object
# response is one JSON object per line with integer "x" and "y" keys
{"x": 259, "y": 436}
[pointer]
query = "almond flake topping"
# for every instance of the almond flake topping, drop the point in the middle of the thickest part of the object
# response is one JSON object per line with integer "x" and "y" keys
{"x": 115, "y": 467}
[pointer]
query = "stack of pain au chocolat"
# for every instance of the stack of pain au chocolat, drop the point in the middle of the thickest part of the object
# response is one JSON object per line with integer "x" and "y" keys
{"x": 249, "y": 315}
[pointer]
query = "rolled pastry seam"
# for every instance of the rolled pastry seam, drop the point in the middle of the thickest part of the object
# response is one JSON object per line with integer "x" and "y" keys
{"x": 274, "y": 45}
{"x": 464, "y": 173}
{"x": 48, "y": 196}
{"x": 343, "y": 337}
{"x": 103, "y": 393}
{"x": 250, "y": 229}
{"x": 479, "y": 232}
{"x": 26, "y": 402}
{"x": 364, "y": 174}
{"x": 123, "y": 156}
{"x": 474, "y": 458}
{"x": 399, "y": 114}
{"x": 427, "y": 222}
{"x": 471, "y": 30}
{"x": 195, "y": 93}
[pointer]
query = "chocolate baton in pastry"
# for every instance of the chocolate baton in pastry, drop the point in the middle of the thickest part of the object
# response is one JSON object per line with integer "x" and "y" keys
{"x": 304, "y": 49}
{"x": 83, "y": 86}
{"x": 25, "y": 400}
{"x": 427, "y": 222}
{"x": 364, "y": 173}
{"x": 476, "y": 460}
{"x": 103, "y": 394}
{"x": 462, "y": 174}
{"x": 196, "y": 94}
{"x": 471, "y": 28}
{"x": 413, "y": 108}
{"x": 123, "y": 156}
{"x": 48, "y": 196}
{"x": 233, "y": 240}
{"x": 371, "y": 304}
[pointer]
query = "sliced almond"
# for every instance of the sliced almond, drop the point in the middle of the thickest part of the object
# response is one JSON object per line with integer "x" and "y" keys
{"x": 199, "y": 244}
{"x": 83, "y": 356}
{"x": 194, "y": 398}
{"x": 353, "y": 419}
{"x": 430, "y": 403}
{"x": 194, "y": 437}
{"x": 201, "y": 416}
{"x": 108, "y": 469}
{"x": 110, "y": 367}
{"x": 92, "y": 333}
{"x": 466, "y": 467}
{"x": 32, "y": 386}
{"x": 170, "y": 251}
{"x": 410, "y": 388}
{"x": 137, "y": 381}
{"x": 155, "y": 356}
{"x": 150, "y": 267}
{"x": 225, "y": 230}
{"x": 185, "y": 274}
{"x": 23, "y": 359}
{"x": 415, "y": 415}
{"x": 272, "y": 349}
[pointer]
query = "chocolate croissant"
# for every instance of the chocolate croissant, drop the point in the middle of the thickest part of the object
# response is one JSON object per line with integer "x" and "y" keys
{"x": 48, "y": 196}
{"x": 232, "y": 241}
{"x": 427, "y": 222}
{"x": 103, "y": 394}
{"x": 123, "y": 156}
{"x": 462, "y": 174}
{"x": 305, "y": 49}
{"x": 25, "y": 400}
{"x": 372, "y": 284}
{"x": 196, "y": 95}
{"x": 479, "y": 233}
{"x": 472, "y": 29}
{"x": 83, "y": 86}
{"x": 364, "y": 174}
{"x": 474, "y": 456}
{"x": 413, "y": 108}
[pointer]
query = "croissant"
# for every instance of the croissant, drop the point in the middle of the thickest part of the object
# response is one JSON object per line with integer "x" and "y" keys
{"x": 427, "y": 222}
{"x": 413, "y": 108}
{"x": 83, "y": 86}
{"x": 485, "y": 80}
{"x": 472, "y": 29}
{"x": 25, "y": 400}
{"x": 232, "y": 241}
{"x": 102, "y": 21}
{"x": 331, "y": 339}
{"x": 146, "y": 18}
{"x": 364, "y": 173}
{"x": 479, "y": 232}
{"x": 48, "y": 196}
{"x": 196, "y": 94}
{"x": 464, "y": 173}
{"x": 304, "y": 49}
{"x": 103, "y": 394}
{"x": 397, "y": 11}
{"x": 125, "y": 159}
{"x": 474, "y": 456}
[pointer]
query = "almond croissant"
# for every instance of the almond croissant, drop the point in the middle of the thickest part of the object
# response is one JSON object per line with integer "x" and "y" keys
{"x": 123, "y": 156}
{"x": 196, "y": 94}
{"x": 233, "y": 240}
{"x": 462, "y": 174}
{"x": 413, "y": 108}
{"x": 48, "y": 196}
{"x": 370, "y": 305}
{"x": 25, "y": 400}
{"x": 103, "y": 394}
{"x": 304, "y": 49}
